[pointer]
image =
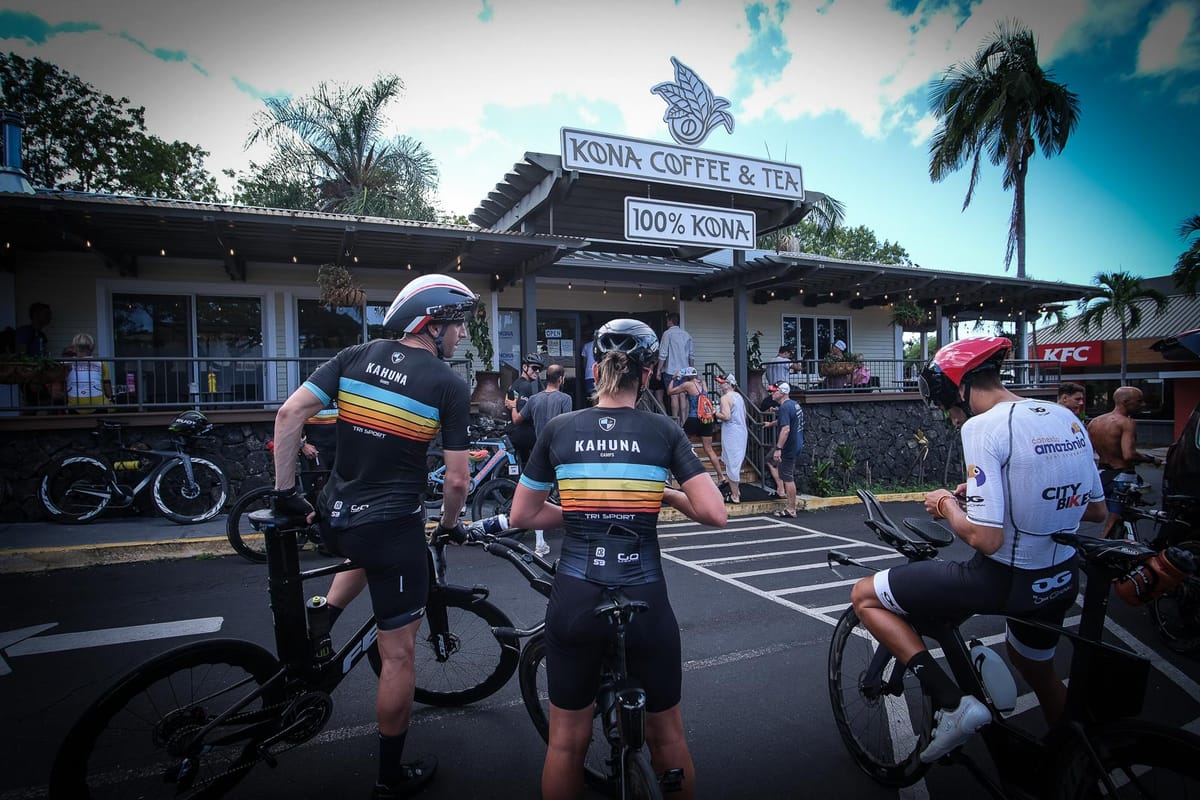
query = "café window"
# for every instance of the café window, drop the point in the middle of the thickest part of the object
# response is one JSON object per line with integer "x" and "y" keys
{"x": 812, "y": 337}
{"x": 156, "y": 336}
{"x": 324, "y": 330}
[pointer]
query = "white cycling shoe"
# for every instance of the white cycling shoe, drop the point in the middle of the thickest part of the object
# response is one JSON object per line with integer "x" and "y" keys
{"x": 542, "y": 549}
{"x": 954, "y": 726}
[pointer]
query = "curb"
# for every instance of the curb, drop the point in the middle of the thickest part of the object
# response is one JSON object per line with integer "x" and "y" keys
{"x": 41, "y": 559}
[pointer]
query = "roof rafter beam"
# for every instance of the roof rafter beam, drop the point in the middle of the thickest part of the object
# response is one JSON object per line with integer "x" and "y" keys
{"x": 345, "y": 252}
{"x": 454, "y": 263}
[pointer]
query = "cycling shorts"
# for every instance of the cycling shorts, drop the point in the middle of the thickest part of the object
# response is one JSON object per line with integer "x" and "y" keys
{"x": 955, "y": 590}
{"x": 394, "y": 556}
{"x": 577, "y": 642}
{"x": 692, "y": 426}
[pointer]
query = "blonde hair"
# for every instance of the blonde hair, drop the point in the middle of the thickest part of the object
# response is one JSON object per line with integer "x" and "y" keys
{"x": 617, "y": 374}
{"x": 83, "y": 341}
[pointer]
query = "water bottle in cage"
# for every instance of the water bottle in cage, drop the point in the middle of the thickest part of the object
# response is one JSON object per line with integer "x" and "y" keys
{"x": 489, "y": 525}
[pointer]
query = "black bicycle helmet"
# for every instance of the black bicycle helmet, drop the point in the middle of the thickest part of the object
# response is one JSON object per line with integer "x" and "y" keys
{"x": 534, "y": 359}
{"x": 190, "y": 423}
{"x": 635, "y": 339}
{"x": 429, "y": 298}
{"x": 953, "y": 365}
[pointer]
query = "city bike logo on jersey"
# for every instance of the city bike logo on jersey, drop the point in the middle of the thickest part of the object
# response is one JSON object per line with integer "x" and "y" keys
{"x": 1066, "y": 496}
{"x": 607, "y": 424}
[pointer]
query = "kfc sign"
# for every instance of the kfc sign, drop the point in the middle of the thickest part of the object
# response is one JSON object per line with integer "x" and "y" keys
{"x": 1072, "y": 353}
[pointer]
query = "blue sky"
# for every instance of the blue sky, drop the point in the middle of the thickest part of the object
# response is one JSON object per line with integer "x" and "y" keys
{"x": 837, "y": 86}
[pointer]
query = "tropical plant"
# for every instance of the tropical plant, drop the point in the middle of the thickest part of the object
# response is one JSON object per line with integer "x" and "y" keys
{"x": 754, "y": 351}
{"x": 1187, "y": 268}
{"x": 331, "y": 146}
{"x": 481, "y": 337}
{"x": 78, "y": 138}
{"x": 846, "y": 461}
{"x": 1004, "y": 104}
{"x": 1122, "y": 295}
{"x": 822, "y": 482}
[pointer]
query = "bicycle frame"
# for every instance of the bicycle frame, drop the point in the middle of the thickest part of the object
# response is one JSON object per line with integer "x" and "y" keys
{"x": 481, "y": 473}
{"x": 1019, "y": 756}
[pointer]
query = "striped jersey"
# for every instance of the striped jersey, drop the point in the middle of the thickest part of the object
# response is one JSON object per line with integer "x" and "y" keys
{"x": 392, "y": 400}
{"x": 610, "y": 465}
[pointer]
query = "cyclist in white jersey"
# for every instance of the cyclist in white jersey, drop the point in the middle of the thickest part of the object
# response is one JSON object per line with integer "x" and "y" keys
{"x": 1030, "y": 473}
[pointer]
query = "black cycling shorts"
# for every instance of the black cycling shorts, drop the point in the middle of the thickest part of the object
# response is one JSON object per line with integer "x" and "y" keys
{"x": 577, "y": 642}
{"x": 692, "y": 426}
{"x": 394, "y": 555}
{"x": 955, "y": 590}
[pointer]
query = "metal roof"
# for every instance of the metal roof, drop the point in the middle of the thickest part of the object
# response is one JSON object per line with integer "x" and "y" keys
{"x": 124, "y": 229}
{"x": 539, "y": 196}
{"x": 1183, "y": 313}
{"x": 820, "y": 279}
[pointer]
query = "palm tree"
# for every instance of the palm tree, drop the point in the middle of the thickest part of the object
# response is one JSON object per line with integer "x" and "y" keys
{"x": 1187, "y": 268}
{"x": 1003, "y": 103}
{"x": 1123, "y": 295}
{"x": 334, "y": 141}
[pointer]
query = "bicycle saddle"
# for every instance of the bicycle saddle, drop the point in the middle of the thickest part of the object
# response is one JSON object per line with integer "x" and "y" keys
{"x": 1116, "y": 554}
{"x": 933, "y": 532}
{"x": 618, "y": 608}
{"x": 267, "y": 518}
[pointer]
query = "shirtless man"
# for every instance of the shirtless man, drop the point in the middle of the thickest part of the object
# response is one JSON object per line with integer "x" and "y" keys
{"x": 1113, "y": 438}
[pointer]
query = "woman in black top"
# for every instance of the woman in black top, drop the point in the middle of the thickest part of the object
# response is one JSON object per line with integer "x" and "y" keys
{"x": 611, "y": 463}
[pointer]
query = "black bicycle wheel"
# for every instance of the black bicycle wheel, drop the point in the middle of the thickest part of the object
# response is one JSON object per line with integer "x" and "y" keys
{"x": 246, "y": 541}
{"x": 1142, "y": 759}
{"x": 197, "y": 500}
{"x": 76, "y": 489}
{"x": 1177, "y": 613}
{"x": 883, "y": 730}
{"x": 493, "y": 497}
{"x": 468, "y": 662}
{"x": 640, "y": 781}
{"x": 137, "y": 739}
{"x": 598, "y": 766}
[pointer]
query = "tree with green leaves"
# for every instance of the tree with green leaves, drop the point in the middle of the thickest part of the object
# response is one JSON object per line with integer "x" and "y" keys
{"x": 1123, "y": 296}
{"x": 853, "y": 244}
{"x": 80, "y": 139}
{"x": 1003, "y": 104}
{"x": 331, "y": 153}
{"x": 1187, "y": 268}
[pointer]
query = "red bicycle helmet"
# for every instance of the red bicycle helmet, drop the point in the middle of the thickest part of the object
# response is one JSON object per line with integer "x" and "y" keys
{"x": 954, "y": 364}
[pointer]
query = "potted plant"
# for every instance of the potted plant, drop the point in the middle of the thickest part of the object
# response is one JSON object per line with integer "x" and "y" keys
{"x": 754, "y": 368}
{"x": 338, "y": 287}
{"x": 837, "y": 366}
{"x": 908, "y": 315}
{"x": 487, "y": 397}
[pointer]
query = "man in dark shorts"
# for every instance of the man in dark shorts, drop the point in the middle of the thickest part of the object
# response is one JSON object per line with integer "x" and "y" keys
{"x": 1114, "y": 438}
{"x": 1029, "y": 475}
{"x": 789, "y": 440}
{"x": 393, "y": 398}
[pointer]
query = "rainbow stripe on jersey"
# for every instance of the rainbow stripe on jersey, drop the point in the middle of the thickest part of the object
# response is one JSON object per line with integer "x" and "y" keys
{"x": 383, "y": 410}
{"x": 611, "y": 487}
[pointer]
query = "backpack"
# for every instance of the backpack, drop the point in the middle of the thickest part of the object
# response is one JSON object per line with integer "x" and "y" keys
{"x": 704, "y": 408}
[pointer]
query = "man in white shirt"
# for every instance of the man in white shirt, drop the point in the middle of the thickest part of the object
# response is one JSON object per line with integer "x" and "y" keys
{"x": 675, "y": 353}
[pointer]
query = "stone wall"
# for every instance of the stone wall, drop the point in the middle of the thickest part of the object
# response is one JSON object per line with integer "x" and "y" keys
{"x": 239, "y": 448}
{"x": 881, "y": 433}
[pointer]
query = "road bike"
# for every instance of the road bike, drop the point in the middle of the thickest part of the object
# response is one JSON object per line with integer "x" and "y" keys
{"x": 1100, "y": 748}
{"x": 616, "y": 762}
{"x": 193, "y": 721}
{"x": 1176, "y": 614}
{"x": 494, "y": 466}
{"x": 185, "y": 488}
{"x": 251, "y": 544}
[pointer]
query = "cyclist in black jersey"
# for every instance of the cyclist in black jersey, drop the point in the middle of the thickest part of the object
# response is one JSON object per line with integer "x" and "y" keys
{"x": 611, "y": 463}
{"x": 393, "y": 398}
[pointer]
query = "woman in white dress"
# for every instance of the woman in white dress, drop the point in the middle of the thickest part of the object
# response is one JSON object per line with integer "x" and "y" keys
{"x": 732, "y": 414}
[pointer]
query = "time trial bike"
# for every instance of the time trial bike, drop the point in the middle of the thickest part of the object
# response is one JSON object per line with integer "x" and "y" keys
{"x": 1099, "y": 749}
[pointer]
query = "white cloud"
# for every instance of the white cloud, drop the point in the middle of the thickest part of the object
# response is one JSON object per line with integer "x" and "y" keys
{"x": 1164, "y": 47}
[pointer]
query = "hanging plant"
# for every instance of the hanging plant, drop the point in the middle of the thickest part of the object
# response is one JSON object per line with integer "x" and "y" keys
{"x": 338, "y": 287}
{"x": 908, "y": 315}
{"x": 481, "y": 337}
